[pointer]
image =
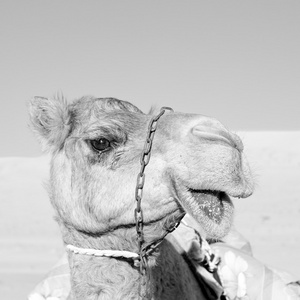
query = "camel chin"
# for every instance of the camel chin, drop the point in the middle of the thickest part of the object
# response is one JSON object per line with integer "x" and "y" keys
{"x": 212, "y": 209}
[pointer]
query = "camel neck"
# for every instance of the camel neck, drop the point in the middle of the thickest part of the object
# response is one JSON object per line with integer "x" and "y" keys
{"x": 104, "y": 278}
{"x": 113, "y": 278}
{"x": 96, "y": 277}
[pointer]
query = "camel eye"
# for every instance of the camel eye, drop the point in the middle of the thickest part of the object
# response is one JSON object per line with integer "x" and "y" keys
{"x": 100, "y": 144}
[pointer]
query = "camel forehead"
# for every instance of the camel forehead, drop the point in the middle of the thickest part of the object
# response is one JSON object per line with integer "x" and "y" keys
{"x": 89, "y": 111}
{"x": 89, "y": 106}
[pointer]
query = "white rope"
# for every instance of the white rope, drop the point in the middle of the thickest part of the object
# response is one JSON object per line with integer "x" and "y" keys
{"x": 106, "y": 253}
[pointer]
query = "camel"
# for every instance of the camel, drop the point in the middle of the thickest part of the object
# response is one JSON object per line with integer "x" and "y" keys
{"x": 96, "y": 144}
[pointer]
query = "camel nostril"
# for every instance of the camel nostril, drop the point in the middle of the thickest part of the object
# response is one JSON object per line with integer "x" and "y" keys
{"x": 215, "y": 135}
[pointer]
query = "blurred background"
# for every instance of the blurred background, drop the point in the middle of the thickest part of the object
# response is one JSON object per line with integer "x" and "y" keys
{"x": 235, "y": 60}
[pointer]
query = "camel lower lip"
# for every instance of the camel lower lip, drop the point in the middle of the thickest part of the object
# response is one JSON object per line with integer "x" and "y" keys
{"x": 213, "y": 210}
{"x": 211, "y": 203}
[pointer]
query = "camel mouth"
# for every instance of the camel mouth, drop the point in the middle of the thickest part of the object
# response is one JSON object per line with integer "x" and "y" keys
{"x": 212, "y": 209}
{"x": 211, "y": 203}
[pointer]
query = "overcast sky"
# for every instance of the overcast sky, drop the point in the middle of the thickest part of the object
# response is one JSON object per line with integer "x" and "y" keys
{"x": 236, "y": 60}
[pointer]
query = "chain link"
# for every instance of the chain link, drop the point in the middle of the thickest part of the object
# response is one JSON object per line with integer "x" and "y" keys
{"x": 138, "y": 213}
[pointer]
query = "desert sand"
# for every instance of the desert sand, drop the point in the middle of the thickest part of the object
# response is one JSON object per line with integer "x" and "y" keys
{"x": 30, "y": 241}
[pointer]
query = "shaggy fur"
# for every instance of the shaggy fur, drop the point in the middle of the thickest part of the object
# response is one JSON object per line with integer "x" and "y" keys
{"x": 92, "y": 191}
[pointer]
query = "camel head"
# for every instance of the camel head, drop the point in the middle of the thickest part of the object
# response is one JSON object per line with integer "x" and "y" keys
{"x": 196, "y": 165}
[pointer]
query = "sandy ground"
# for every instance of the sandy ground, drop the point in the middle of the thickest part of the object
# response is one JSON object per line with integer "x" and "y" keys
{"x": 30, "y": 241}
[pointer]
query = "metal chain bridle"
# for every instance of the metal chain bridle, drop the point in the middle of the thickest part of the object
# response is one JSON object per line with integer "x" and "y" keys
{"x": 138, "y": 212}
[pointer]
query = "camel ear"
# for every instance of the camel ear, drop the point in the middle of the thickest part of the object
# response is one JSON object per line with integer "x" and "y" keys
{"x": 51, "y": 121}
